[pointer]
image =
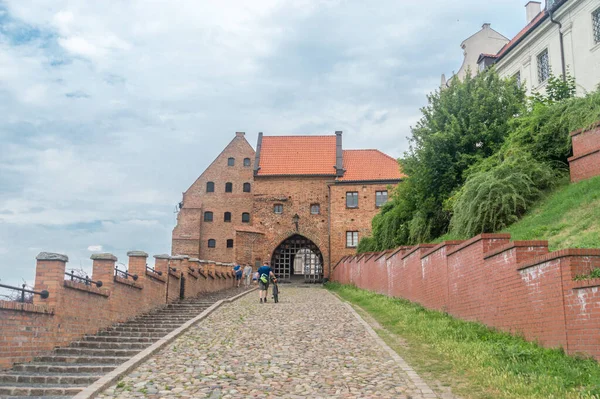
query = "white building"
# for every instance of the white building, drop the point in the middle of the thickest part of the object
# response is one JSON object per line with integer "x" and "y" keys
{"x": 563, "y": 37}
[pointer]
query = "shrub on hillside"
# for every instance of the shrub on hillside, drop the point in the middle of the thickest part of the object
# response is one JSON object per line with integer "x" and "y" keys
{"x": 366, "y": 244}
{"x": 495, "y": 197}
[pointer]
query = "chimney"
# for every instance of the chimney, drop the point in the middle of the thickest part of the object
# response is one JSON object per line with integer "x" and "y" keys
{"x": 240, "y": 134}
{"x": 486, "y": 25}
{"x": 339, "y": 161}
{"x": 533, "y": 8}
{"x": 257, "y": 156}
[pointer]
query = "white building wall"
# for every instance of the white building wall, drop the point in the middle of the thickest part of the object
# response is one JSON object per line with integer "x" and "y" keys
{"x": 582, "y": 54}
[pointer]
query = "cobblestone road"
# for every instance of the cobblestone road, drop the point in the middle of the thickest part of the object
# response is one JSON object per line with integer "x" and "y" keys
{"x": 309, "y": 345}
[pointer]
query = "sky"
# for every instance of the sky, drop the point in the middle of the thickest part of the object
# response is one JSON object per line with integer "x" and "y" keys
{"x": 111, "y": 109}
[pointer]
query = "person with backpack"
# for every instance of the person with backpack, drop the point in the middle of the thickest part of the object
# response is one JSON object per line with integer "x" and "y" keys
{"x": 264, "y": 275}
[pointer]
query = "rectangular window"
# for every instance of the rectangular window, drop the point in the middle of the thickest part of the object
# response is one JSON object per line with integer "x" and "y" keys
{"x": 229, "y": 243}
{"x": 380, "y": 198}
{"x": 278, "y": 208}
{"x": 543, "y": 66}
{"x": 351, "y": 239}
{"x": 315, "y": 209}
{"x": 596, "y": 25}
{"x": 517, "y": 78}
{"x": 352, "y": 199}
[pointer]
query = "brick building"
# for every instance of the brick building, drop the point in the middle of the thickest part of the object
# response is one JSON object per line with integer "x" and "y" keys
{"x": 300, "y": 202}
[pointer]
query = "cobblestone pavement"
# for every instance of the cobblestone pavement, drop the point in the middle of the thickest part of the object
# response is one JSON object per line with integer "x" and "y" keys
{"x": 309, "y": 345}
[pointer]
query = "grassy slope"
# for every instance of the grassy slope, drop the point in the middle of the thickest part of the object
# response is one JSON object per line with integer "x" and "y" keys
{"x": 476, "y": 361}
{"x": 568, "y": 217}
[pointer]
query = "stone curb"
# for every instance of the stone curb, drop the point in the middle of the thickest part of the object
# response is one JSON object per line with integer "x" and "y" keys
{"x": 100, "y": 385}
{"x": 410, "y": 372}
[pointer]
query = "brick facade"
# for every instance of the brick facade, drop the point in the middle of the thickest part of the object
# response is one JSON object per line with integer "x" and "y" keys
{"x": 286, "y": 176}
{"x": 515, "y": 286}
{"x": 585, "y": 162}
{"x": 191, "y": 235}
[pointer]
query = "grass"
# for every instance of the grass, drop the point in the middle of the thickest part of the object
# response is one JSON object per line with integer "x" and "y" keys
{"x": 568, "y": 217}
{"x": 476, "y": 361}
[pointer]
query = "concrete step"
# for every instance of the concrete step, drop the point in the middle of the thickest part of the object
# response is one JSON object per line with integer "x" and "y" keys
{"x": 65, "y": 359}
{"x": 63, "y": 368}
{"x": 131, "y": 334}
{"x": 55, "y": 378}
{"x": 96, "y": 352}
{"x": 118, "y": 339}
{"x": 153, "y": 324}
{"x": 140, "y": 329}
{"x": 110, "y": 345}
{"x": 39, "y": 390}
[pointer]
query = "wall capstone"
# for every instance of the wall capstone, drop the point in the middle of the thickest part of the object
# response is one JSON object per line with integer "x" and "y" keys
{"x": 141, "y": 254}
{"x": 52, "y": 256}
{"x": 105, "y": 256}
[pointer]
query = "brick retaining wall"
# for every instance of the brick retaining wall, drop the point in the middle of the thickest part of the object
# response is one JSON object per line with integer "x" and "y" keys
{"x": 585, "y": 162}
{"x": 515, "y": 286}
{"x": 74, "y": 309}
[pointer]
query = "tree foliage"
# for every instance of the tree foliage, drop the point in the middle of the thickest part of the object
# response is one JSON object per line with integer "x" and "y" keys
{"x": 460, "y": 126}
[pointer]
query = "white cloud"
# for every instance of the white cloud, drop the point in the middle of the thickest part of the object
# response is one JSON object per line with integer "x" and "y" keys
{"x": 95, "y": 248}
{"x": 111, "y": 109}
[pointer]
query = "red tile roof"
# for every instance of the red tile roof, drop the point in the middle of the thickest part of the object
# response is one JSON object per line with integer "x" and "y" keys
{"x": 297, "y": 155}
{"x": 521, "y": 34}
{"x": 363, "y": 165}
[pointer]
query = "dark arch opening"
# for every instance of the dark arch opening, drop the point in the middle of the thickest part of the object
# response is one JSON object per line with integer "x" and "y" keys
{"x": 298, "y": 258}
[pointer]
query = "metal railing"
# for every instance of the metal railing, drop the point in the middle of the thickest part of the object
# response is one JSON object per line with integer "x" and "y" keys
{"x": 86, "y": 280}
{"x": 125, "y": 274}
{"x": 44, "y": 294}
{"x": 148, "y": 268}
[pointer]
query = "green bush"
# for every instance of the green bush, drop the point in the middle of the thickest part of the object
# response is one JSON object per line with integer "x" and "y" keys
{"x": 366, "y": 244}
{"x": 497, "y": 196}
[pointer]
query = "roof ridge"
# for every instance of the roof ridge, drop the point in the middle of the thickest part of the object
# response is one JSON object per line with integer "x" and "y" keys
{"x": 301, "y": 135}
{"x": 375, "y": 149}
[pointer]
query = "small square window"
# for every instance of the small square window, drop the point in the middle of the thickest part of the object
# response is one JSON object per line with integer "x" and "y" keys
{"x": 381, "y": 198}
{"x": 228, "y": 187}
{"x": 227, "y": 217}
{"x": 230, "y": 161}
{"x": 278, "y": 208}
{"x": 543, "y": 66}
{"x": 208, "y": 216}
{"x": 352, "y": 199}
{"x": 315, "y": 209}
{"x": 246, "y": 162}
{"x": 596, "y": 25}
{"x": 246, "y": 187}
{"x": 230, "y": 243}
{"x": 210, "y": 187}
{"x": 245, "y": 217}
{"x": 212, "y": 243}
{"x": 351, "y": 239}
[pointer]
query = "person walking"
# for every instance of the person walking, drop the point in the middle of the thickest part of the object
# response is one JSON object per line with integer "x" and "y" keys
{"x": 247, "y": 275}
{"x": 237, "y": 269}
{"x": 264, "y": 275}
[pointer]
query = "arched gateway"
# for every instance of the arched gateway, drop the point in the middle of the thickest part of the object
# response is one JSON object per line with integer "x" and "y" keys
{"x": 298, "y": 258}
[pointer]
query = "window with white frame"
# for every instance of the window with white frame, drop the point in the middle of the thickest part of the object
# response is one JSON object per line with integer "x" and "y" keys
{"x": 352, "y": 199}
{"x": 278, "y": 208}
{"x": 517, "y": 78}
{"x": 596, "y": 25}
{"x": 543, "y": 66}
{"x": 351, "y": 239}
{"x": 315, "y": 209}
{"x": 381, "y": 198}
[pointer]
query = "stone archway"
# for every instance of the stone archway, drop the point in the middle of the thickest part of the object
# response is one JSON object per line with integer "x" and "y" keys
{"x": 298, "y": 258}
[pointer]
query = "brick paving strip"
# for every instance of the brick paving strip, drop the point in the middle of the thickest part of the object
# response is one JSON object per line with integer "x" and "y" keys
{"x": 309, "y": 345}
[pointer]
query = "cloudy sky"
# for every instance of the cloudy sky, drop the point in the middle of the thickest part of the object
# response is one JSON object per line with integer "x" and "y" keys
{"x": 111, "y": 109}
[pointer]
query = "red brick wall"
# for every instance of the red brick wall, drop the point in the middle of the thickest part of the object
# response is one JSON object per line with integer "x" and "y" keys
{"x": 585, "y": 162}
{"x": 191, "y": 235}
{"x": 74, "y": 309}
{"x": 514, "y": 286}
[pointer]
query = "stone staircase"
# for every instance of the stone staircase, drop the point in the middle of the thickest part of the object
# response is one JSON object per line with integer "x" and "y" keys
{"x": 68, "y": 370}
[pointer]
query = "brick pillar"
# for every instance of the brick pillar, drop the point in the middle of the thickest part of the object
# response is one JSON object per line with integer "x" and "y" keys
{"x": 161, "y": 262}
{"x": 137, "y": 264}
{"x": 49, "y": 276}
{"x": 103, "y": 269}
